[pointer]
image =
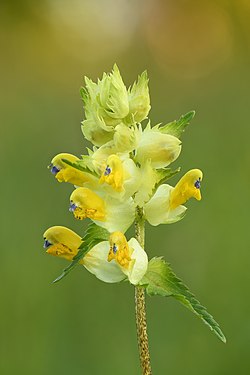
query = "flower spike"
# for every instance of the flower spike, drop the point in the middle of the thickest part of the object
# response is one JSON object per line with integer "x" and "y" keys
{"x": 124, "y": 179}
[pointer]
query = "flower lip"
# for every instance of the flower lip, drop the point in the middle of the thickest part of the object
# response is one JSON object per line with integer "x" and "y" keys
{"x": 72, "y": 207}
{"x": 54, "y": 170}
{"x": 197, "y": 183}
{"x": 46, "y": 244}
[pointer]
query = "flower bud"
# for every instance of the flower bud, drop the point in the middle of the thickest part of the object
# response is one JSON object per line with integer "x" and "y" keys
{"x": 139, "y": 100}
{"x": 106, "y": 104}
{"x": 161, "y": 149}
{"x": 93, "y": 130}
{"x": 125, "y": 138}
{"x": 116, "y": 96}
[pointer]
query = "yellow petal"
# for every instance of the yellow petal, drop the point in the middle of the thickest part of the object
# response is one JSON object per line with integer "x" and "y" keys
{"x": 66, "y": 173}
{"x": 64, "y": 242}
{"x": 87, "y": 204}
{"x": 119, "y": 249}
{"x": 113, "y": 173}
{"x": 186, "y": 188}
{"x": 76, "y": 177}
{"x": 57, "y": 161}
{"x": 130, "y": 256}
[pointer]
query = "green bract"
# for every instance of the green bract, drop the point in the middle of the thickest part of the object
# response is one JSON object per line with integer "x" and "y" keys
{"x": 108, "y": 104}
{"x": 161, "y": 280}
{"x": 139, "y": 100}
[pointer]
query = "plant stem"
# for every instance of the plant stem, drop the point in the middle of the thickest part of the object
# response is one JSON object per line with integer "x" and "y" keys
{"x": 140, "y": 307}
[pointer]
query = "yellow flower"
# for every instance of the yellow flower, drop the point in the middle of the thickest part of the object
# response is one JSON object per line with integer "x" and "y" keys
{"x": 113, "y": 173}
{"x": 119, "y": 249}
{"x": 188, "y": 186}
{"x": 63, "y": 242}
{"x": 96, "y": 262}
{"x": 130, "y": 256}
{"x": 85, "y": 203}
{"x": 110, "y": 261}
{"x": 65, "y": 173}
{"x": 119, "y": 176}
{"x": 166, "y": 205}
{"x": 104, "y": 210}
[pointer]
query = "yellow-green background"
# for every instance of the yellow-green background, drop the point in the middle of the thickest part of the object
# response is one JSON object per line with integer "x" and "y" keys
{"x": 197, "y": 56}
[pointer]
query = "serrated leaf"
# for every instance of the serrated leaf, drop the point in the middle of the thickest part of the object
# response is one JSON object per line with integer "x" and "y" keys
{"x": 161, "y": 280}
{"x": 81, "y": 166}
{"x": 83, "y": 93}
{"x": 164, "y": 174}
{"x": 177, "y": 127}
{"x": 93, "y": 236}
{"x": 87, "y": 161}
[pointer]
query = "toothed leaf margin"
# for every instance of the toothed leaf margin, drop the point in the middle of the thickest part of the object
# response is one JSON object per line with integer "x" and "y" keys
{"x": 161, "y": 280}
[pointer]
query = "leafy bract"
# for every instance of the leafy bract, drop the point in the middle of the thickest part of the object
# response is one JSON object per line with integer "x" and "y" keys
{"x": 164, "y": 174}
{"x": 177, "y": 127}
{"x": 81, "y": 165}
{"x": 161, "y": 280}
{"x": 93, "y": 235}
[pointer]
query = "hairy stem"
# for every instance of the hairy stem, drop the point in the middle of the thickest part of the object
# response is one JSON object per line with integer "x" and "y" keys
{"x": 140, "y": 307}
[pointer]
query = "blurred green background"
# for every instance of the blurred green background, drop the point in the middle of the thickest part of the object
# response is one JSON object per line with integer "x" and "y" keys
{"x": 197, "y": 56}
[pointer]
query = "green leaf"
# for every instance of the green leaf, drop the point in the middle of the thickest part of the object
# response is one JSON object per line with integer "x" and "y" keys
{"x": 84, "y": 94}
{"x": 81, "y": 165}
{"x": 93, "y": 236}
{"x": 164, "y": 174}
{"x": 161, "y": 280}
{"x": 177, "y": 127}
